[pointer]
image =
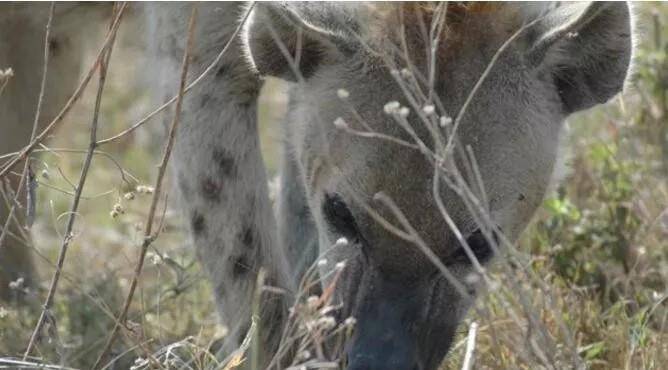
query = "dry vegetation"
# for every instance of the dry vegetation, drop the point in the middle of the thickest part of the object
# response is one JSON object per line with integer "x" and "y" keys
{"x": 585, "y": 287}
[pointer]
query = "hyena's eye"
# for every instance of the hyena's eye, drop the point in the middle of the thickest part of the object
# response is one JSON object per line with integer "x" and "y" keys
{"x": 339, "y": 217}
{"x": 479, "y": 246}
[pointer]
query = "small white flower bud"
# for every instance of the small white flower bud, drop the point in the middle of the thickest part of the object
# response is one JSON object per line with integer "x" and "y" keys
{"x": 143, "y": 189}
{"x": 428, "y": 109}
{"x": 444, "y": 121}
{"x": 341, "y": 242}
{"x": 327, "y": 322}
{"x": 340, "y": 123}
{"x": 351, "y": 321}
{"x": 342, "y": 93}
{"x": 304, "y": 355}
{"x": 155, "y": 259}
{"x": 391, "y": 107}
{"x": 322, "y": 262}
{"x": 472, "y": 278}
{"x": 9, "y": 72}
{"x": 312, "y": 302}
{"x": 404, "y": 111}
{"x": 16, "y": 284}
{"x": 118, "y": 208}
{"x": 656, "y": 296}
{"x": 340, "y": 265}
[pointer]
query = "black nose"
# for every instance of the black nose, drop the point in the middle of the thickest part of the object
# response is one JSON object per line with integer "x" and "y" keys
{"x": 383, "y": 340}
{"x": 387, "y": 329}
{"x": 363, "y": 362}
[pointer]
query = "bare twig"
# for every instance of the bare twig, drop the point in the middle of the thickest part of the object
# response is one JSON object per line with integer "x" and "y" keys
{"x": 12, "y": 363}
{"x": 125, "y": 174}
{"x": 148, "y": 230}
{"x": 38, "y": 111}
{"x": 470, "y": 347}
{"x": 103, "y": 63}
{"x": 477, "y": 207}
{"x": 5, "y": 76}
{"x": 199, "y": 78}
{"x": 73, "y": 99}
{"x": 483, "y": 77}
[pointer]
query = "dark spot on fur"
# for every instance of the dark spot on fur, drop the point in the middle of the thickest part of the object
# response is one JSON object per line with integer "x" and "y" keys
{"x": 221, "y": 71}
{"x": 198, "y": 224}
{"x": 521, "y": 197}
{"x": 54, "y": 46}
{"x": 240, "y": 265}
{"x": 248, "y": 238}
{"x": 246, "y": 105}
{"x": 225, "y": 162}
{"x": 210, "y": 189}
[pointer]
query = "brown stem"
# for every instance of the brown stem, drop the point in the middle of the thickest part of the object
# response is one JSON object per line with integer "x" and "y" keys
{"x": 105, "y": 53}
{"x": 148, "y": 229}
{"x": 38, "y": 110}
{"x": 190, "y": 86}
{"x": 73, "y": 99}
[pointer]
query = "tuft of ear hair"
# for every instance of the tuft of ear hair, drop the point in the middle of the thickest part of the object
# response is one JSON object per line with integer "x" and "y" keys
{"x": 291, "y": 40}
{"x": 587, "y": 48}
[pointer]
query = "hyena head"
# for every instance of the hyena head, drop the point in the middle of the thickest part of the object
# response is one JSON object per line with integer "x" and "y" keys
{"x": 383, "y": 164}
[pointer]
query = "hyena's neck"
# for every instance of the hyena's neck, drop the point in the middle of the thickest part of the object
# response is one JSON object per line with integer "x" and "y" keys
{"x": 221, "y": 175}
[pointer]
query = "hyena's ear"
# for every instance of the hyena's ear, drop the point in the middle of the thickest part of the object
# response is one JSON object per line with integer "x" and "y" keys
{"x": 291, "y": 40}
{"x": 587, "y": 48}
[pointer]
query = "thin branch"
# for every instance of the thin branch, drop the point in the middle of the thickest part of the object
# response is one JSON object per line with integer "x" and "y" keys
{"x": 376, "y": 135}
{"x": 208, "y": 69}
{"x": 23, "y": 364}
{"x": 470, "y": 347}
{"x": 483, "y": 77}
{"x": 420, "y": 243}
{"x": 123, "y": 172}
{"x": 111, "y": 35}
{"x": 38, "y": 111}
{"x": 104, "y": 61}
{"x": 5, "y": 76}
{"x": 148, "y": 230}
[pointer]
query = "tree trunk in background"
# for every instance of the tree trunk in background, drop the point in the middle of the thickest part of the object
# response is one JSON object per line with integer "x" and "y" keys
{"x": 22, "y": 32}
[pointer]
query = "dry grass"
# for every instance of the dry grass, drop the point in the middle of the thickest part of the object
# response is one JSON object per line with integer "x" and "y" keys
{"x": 587, "y": 284}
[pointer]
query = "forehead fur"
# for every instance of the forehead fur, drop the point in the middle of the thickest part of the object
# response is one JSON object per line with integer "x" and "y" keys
{"x": 412, "y": 26}
{"x": 389, "y": 20}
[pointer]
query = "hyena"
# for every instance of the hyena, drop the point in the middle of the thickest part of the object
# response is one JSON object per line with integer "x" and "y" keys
{"x": 422, "y": 133}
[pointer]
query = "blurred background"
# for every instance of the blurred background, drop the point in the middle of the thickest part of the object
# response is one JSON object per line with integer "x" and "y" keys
{"x": 599, "y": 243}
